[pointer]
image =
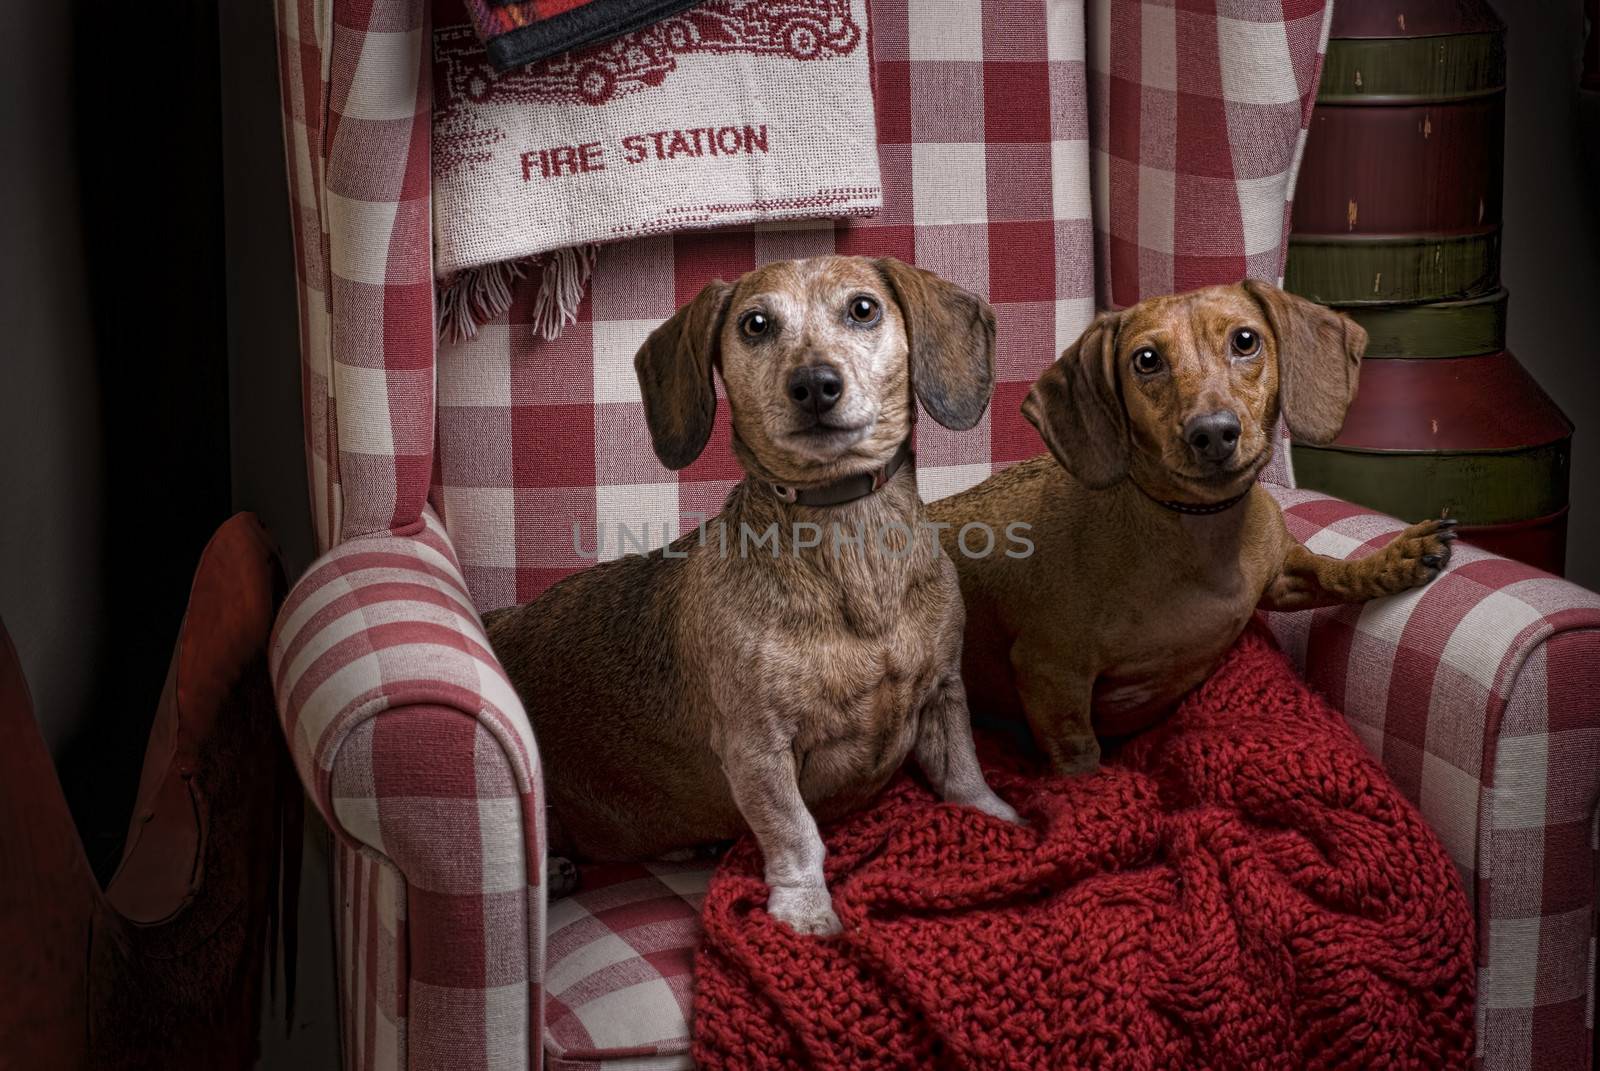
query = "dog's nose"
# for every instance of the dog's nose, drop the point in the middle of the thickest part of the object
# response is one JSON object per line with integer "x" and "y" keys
{"x": 816, "y": 388}
{"x": 1213, "y": 436}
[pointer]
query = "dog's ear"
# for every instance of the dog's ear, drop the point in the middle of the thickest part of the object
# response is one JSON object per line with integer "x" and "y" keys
{"x": 950, "y": 334}
{"x": 1319, "y": 361}
{"x": 674, "y": 369}
{"x": 1077, "y": 408}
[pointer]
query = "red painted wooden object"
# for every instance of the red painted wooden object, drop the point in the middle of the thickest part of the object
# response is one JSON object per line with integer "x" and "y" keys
{"x": 1396, "y": 218}
{"x": 1474, "y": 436}
{"x": 1463, "y": 403}
{"x": 1413, "y": 18}
{"x": 1540, "y": 542}
{"x": 1402, "y": 169}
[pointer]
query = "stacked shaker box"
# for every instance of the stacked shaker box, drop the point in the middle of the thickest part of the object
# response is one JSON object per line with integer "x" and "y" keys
{"x": 1397, "y": 223}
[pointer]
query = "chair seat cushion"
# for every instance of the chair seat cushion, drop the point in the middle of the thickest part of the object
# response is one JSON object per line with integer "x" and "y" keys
{"x": 620, "y": 966}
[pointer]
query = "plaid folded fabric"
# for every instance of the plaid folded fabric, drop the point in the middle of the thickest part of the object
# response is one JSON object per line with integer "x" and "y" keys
{"x": 676, "y": 127}
{"x": 516, "y": 32}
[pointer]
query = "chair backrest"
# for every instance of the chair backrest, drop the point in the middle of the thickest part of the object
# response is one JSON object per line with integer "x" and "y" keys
{"x": 1052, "y": 159}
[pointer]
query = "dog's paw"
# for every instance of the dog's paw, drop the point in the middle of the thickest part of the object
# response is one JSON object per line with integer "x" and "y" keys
{"x": 1419, "y": 553}
{"x": 1075, "y": 755}
{"x": 806, "y": 909}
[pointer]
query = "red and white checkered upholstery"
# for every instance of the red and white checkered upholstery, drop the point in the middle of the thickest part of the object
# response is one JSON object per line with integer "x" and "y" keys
{"x": 370, "y": 897}
{"x": 1200, "y": 115}
{"x": 1049, "y": 160}
{"x": 620, "y": 962}
{"x": 413, "y": 744}
{"x": 356, "y": 99}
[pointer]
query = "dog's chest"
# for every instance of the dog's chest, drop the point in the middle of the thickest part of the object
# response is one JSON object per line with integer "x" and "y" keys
{"x": 851, "y": 700}
{"x": 1163, "y": 648}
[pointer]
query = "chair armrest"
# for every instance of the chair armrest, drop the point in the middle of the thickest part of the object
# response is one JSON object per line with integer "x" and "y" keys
{"x": 1480, "y": 693}
{"x": 415, "y": 748}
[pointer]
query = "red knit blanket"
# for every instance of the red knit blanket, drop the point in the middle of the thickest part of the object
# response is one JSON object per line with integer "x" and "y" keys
{"x": 1239, "y": 888}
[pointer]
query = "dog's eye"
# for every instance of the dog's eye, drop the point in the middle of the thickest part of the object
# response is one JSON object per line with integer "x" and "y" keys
{"x": 1146, "y": 361}
{"x": 863, "y": 310}
{"x": 1245, "y": 343}
{"x": 754, "y": 324}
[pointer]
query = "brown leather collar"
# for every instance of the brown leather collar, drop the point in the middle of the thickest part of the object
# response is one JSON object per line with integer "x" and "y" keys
{"x": 1196, "y": 510}
{"x": 848, "y": 489}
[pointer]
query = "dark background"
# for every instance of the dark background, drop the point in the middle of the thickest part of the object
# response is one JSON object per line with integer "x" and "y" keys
{"x": 151, "y": 381}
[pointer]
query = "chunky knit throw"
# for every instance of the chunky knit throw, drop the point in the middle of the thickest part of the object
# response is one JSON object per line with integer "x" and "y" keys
{"x": 1241, "y": 887}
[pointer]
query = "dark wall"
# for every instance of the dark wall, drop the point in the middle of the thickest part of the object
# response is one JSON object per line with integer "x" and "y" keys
{"x": 51, "y": 464}
{"x": 266, "y": 443}
{"x": 1551, "y": 253}
{"x": 116, "y": 394}
{"x": 150, "y": 373}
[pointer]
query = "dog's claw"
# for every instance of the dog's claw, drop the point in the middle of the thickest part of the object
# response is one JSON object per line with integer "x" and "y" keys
{"x": 1448, "y": 522}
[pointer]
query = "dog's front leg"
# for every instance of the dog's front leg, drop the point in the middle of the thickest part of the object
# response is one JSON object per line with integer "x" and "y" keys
{"x": 1057, "y": 698}
{"x": 1308, "y": 580}
{"x": 768, "y": 795}
{"x": 947, "y": 755}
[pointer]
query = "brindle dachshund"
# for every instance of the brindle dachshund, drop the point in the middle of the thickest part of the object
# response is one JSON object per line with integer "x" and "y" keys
{"x": 1153, "y": 541}
{"x": 683, "y": 696}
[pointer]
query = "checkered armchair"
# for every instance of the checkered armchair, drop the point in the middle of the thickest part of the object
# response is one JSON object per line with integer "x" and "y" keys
{"x": 1050, "y": 158}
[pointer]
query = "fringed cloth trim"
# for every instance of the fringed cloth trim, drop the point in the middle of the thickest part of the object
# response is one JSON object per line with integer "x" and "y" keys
{"x": 473, "y": 297}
